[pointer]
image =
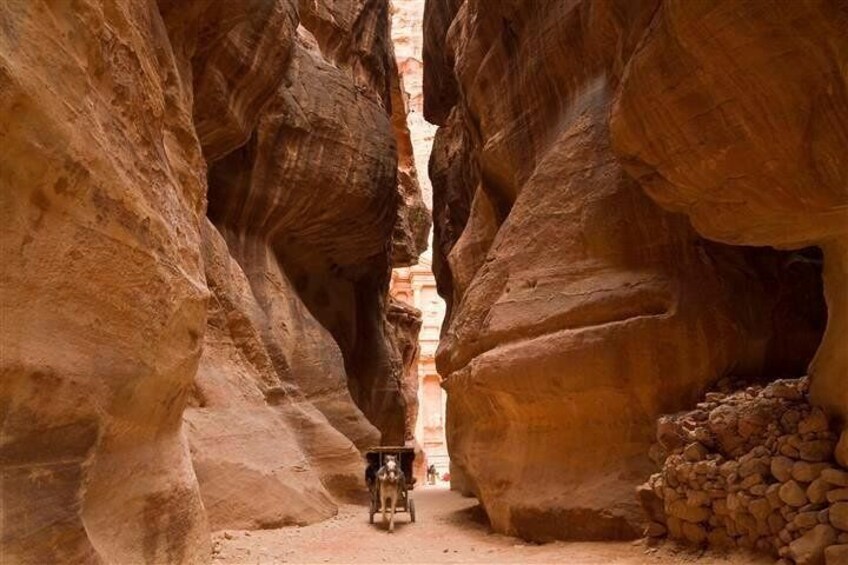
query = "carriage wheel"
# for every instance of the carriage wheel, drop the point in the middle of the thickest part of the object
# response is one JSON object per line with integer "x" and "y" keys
{"x": 411, "y": 504}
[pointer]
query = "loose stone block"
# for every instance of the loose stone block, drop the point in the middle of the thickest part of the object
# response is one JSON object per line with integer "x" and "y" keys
{"x": 781, "y": 468}
{"x": 836, "y": 477}
{"x": 674, "y": 525}
{"x": 817, "y": 491}
{"x": 806, "y": 520}
{"x": 655, "y": 530}
{"x": 773, "y": 495}
{"x": 836, "y": 555}
{"x": 775, "y": 523}
{"x": 839, "y": 516}
{"x": 759, "y": 465}
{"x": 816, "y": 450}
{"x": 760, "y": 509}
{"x": 805, "y": 472}
{"x": 758, "y": 490}
{"x": 792, "y": 494}
{"x": 688, "y": 513}
{"x": 694, "y": 533}
{"x": 698, "y": 498}
{"x": 815, "y": 422}
{"x": 695, "y": 452}
{"x": 809, "y": 548}
{"x": 720, "y": 538}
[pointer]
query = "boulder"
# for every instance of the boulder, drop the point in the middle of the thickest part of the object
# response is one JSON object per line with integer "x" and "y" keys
{"x": 839, "y": 516}
{"x": 793, "y": 494}
{"x": 836, "y": 555}
{"x": 809, "y": 549}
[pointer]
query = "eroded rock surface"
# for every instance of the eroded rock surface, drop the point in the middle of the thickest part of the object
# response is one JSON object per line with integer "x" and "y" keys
{"x": 579, "y": 309}
{"x": 752, "y": 147}
{"x": 103, "y": 298}
{"x": 164, "y": 374}
{"x": 270, "y": 410}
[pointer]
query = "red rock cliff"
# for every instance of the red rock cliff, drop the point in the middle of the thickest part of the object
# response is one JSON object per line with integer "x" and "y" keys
{"x": 579, "y": 308}
{"x": 122, "y": 304}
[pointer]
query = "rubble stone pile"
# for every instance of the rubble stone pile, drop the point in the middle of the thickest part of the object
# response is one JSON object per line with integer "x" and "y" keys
{"x": 754, "y": 469}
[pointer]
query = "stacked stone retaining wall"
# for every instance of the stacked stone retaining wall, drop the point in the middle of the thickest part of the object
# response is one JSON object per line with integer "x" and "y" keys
{"x": 752, "y": 468}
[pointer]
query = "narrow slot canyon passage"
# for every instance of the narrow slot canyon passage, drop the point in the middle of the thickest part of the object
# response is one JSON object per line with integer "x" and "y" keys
{"x": 565, "y": 280}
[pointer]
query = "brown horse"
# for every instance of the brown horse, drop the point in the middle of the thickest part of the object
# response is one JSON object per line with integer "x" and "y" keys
{"x": 391, "y": 483}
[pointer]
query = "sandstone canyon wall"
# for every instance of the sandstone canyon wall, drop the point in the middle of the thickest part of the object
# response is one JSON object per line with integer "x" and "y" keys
{"x": 581, "y": 308}
{"x": 769, "y": 163}
{"x": 165, "y": 372}
{"x": 408, "y": 40}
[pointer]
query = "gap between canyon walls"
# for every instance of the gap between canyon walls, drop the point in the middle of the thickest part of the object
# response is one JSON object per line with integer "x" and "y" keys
{"x": 314, "y": 207}
{"x": 165, "y": 373}
{"x": 601, "y": 175}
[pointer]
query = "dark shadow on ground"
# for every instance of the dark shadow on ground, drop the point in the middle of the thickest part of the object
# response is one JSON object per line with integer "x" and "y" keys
{"x": 474, "y": 515}
{"x": 401, "y": 521}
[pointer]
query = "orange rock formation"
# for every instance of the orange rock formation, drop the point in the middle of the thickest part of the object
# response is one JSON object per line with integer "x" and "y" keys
{"x": 579, "y": 308}
{"x": 122, "y": 304}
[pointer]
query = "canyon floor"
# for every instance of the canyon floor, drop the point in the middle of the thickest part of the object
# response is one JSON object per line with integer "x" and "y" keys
{"x": 450, "y": 529}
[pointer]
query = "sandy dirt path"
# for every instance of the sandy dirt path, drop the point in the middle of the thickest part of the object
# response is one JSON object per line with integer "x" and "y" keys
{"x": 449, "y": 529}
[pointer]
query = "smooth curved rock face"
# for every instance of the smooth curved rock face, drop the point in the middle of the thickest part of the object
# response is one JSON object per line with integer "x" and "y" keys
{"x": 233, "y": 55}
{"x": 318, "y": 183}
{"x": 412, "y": 228}
{"x": 116, "y": 288}
{"x": 408, "y": 40}
{"x": 579, "y": 310}
{"x": 752, "y": 147}
{"x": 736, "y": 115}
{"x": 103, "y": 296}
{"x": 355, "y": 36}
{"x": 295, "y": 202}
{"x": 270, "y": 410}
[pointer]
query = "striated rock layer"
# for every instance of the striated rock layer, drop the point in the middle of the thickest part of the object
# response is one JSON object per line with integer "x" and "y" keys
{"x": 164, "y": 373}
{"x": 103, "y": 292}
{"x": 579, "y": 309}
{"x": 751, "y": 147}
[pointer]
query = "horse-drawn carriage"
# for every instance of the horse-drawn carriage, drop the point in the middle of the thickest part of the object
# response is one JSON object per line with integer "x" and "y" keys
{"x": 378, "y": 458}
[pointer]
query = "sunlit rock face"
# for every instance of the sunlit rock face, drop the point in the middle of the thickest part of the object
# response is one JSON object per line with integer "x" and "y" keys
{"x": 408, "y": 39}
{"x": 165, "y": 373}
{"x": 103, "y": 293}
{"x": 579, "y": 309}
